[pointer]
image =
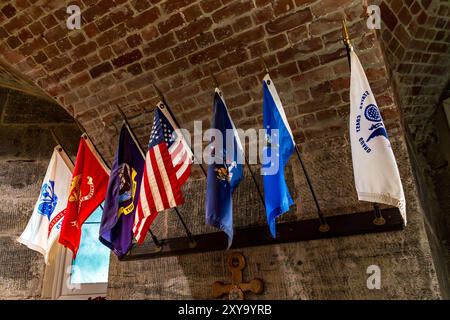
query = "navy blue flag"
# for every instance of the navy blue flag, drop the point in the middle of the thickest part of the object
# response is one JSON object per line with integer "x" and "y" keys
{"x": 276, "y": 153}
{"x": 225, "y": 174}
{"x": 116, "y": 229}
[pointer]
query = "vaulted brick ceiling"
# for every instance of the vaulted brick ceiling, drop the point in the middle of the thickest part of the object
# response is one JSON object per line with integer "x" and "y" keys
{"x": 11, "y": 79}
{"x": 124, "y": 47}
{"x": 416, "y": 36}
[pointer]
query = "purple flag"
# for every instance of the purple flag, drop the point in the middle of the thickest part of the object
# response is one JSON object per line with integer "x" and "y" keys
{"x": 116, "y": 229}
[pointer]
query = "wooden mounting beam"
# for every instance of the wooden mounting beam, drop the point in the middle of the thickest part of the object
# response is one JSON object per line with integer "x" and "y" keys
{"x": 302, "y": 230}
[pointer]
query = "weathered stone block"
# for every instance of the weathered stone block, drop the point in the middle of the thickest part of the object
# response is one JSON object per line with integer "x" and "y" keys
{"x": 21, "y": 108}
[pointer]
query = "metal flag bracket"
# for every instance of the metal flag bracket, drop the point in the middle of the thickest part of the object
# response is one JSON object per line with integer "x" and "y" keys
{"x": 379, "y": 220}
{"x": 343, "y": 225}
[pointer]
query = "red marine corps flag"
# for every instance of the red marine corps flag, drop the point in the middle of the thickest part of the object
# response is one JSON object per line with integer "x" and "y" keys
{"x": 87, "y": 191}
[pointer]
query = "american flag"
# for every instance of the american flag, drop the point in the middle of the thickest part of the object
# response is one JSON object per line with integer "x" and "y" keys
{"x": 167, "y": 167}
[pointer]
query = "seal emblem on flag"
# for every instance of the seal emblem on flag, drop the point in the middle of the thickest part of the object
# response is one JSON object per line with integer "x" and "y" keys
{"x": 48, "y": 199}
{"x": 75, "y": 190}
{"x": 371, "y": 125}
{"x": 125, "y": 183}
{"x": 128, "y": 185}
{"x": 373, "y": 114}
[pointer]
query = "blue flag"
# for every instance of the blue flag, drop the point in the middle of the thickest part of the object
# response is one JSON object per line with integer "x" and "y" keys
{"x": 276, "y": 153}
{"x": 226, "y": 172}
{"x": 116, "y": 228}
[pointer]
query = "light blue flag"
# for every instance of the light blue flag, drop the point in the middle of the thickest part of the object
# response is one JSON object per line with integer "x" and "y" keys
{"x": 276, "y": 153}
{"x": 225, "y": 174}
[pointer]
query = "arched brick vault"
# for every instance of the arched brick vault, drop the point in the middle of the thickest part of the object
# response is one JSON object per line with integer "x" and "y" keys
{"x": 125, "y": 46}
{"x": 416, "y": 39}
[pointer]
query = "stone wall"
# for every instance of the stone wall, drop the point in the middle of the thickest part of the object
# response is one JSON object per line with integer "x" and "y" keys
{"x": 25, "y": 149}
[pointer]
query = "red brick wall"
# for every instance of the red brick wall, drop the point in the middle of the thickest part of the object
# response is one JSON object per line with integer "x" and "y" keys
{"x": 416, "y": 35}
{"x": 126, "y": 46}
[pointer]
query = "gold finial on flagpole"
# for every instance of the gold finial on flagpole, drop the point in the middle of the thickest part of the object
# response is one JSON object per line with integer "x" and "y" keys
{"x": 346, "y": 40}
{"x": 263, "y": 62}
{"x": 345, "y": 35}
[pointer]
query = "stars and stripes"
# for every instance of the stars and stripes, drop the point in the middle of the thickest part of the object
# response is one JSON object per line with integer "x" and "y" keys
{"x": 167, "y": 167}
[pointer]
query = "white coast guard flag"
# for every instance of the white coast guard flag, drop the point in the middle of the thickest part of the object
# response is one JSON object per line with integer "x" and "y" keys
{"x": 376, "y": 174}
{"x": 45, "y": 222}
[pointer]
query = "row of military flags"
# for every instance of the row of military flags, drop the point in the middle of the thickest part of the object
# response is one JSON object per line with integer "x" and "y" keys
{"x": 139, "y": 185}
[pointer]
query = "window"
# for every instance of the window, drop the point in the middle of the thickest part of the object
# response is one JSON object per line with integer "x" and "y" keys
{"x": 87, "y": 275}
{"x": 92, "y": 262}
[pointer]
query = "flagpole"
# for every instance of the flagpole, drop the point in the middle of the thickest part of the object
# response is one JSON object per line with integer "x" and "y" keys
{"x": 379, "y": 220}
{"x": 55, "y": 138}
{"x": 192, "y": 242}
{"x": 324, "y": 226}
{"x": 346, "y": 40}
{"x": 86, "y": 136}
{"x": 61, "y": 148}
{"x": 261, "y": 197}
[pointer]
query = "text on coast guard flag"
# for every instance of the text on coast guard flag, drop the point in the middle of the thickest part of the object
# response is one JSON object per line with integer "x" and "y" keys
{"x": 116, "y": 228}
{"x": 226, "y": 172}
{"x": 167, "y": 167}
{"x": 276, "y": 153}
{"x": 45, "y": 223}
{"x": 87, "y": 192}
{"x": 375, "y": 170}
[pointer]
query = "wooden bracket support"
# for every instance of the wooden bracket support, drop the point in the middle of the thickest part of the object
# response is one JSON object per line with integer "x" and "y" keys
{"x": 302, "y": 230}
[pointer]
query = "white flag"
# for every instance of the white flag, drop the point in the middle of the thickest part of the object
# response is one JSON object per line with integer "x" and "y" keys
{"x": 45, "y": 222}
{"x": 376, "y": 174}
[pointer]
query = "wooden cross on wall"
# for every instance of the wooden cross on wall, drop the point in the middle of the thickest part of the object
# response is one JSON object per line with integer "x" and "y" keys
{"x": 237, "y": 288}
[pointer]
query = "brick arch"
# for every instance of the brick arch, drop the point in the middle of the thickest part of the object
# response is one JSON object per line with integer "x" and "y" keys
{"x": 124, "y": 47}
